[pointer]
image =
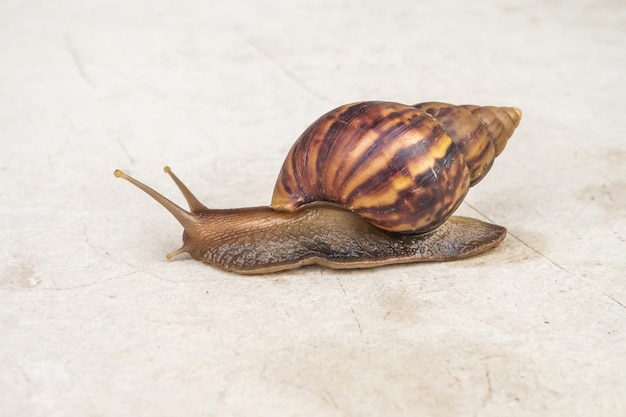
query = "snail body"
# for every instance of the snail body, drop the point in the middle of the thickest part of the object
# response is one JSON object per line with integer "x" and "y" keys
{"x": 367, "y": 184}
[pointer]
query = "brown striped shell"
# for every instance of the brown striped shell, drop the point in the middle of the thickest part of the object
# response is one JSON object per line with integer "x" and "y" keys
{"x": 403, "y": 168}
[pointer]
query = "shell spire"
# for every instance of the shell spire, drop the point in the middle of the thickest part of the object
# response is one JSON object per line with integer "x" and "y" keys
{"x": 480, "y": 132}
{"x": 403, "y": 168}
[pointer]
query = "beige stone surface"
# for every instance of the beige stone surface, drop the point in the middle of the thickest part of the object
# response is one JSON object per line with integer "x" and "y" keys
{"x": 95, "y": 322}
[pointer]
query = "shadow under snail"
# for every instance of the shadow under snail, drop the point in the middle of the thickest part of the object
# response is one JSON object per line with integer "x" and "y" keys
{"x": 367, "y": 184}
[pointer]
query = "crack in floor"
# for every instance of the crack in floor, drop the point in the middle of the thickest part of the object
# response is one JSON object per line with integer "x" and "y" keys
{"x": 78, "y": 61}
{"x": 286, "y": 71}
{"x": 537, "y": 251}
{"x": 356, "y": 318}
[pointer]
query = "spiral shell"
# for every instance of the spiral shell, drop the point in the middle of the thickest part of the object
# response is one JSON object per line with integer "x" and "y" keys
{"x": 403, "y": 168}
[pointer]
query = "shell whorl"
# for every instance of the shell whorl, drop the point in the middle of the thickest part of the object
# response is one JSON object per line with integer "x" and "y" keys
{"x": 403, "y": 168}
{"x": 480, "y": 132}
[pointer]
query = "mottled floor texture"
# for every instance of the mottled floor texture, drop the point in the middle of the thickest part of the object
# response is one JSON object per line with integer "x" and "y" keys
{"x": 96, "y": 322}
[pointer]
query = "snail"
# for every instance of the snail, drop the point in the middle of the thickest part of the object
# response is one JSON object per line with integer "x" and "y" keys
{"x": 367, "y": 184}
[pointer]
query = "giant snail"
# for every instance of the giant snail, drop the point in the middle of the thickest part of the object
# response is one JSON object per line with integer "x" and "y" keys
{"x": 367, "y": 184}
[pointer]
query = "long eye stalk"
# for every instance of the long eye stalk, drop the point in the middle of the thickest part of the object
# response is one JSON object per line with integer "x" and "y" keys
{"x": 185, "y": 218}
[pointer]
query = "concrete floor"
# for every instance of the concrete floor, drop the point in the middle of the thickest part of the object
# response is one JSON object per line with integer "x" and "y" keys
{"x": 95, "y": 321}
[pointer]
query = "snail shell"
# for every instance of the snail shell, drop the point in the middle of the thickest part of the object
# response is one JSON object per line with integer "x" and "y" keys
{"x": 367, "y": 184}
{"x": 403, "y": 168}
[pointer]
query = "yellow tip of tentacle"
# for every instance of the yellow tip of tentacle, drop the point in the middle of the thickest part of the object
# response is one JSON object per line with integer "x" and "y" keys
{"x": 171, "y": 255}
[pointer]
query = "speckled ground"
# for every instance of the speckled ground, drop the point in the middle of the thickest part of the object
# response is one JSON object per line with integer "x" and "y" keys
{"x": 95, "y": 321}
